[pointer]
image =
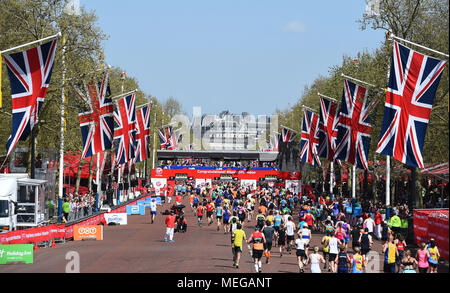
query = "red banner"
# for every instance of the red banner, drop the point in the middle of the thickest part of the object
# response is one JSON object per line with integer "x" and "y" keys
{"x": 33, "y": 235}
{"x": 432, "y": 224}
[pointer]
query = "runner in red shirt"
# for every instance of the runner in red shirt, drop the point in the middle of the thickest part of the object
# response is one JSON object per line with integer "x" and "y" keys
{"x": 209, "y": 212}
{"x": 178, "y": 199}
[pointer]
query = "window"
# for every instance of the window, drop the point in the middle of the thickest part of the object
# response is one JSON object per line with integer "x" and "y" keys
{"x": 4, "y": 213}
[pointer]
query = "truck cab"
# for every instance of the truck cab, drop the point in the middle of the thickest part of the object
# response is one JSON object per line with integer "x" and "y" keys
{"x": 21, "y": 202}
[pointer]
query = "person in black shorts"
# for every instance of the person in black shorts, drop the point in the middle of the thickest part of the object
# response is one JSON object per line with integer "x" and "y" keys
{"x": 268, "y": 232}
{"x": 282, "y": 238}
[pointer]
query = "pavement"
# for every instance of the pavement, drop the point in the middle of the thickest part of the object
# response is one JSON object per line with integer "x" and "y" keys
{"x": 139, "y": 248}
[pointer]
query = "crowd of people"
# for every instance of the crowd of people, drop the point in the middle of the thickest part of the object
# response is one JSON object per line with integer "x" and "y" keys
{"x": 77, "y": 206}
{"x": 286, "y": 223}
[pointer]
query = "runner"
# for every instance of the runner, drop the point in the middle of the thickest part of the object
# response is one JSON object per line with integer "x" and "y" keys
{"x": 315, "y": 259}
{"x": 434, "y": 256}
{"x": 268, "y": 232}
{"x": 260, "y": 219}
{"x": 422, "y": 256}
{"x": 326, "y": 250}
{"x": 343, "y": 260}
{"x": 409, "y": 263}
{"x": 290, "y": 233}
{"x": 282, "y": 238}
{"x": 401, "y": 244}
{"x": 258, "y": 241}
{"x": 276, "y": 226}
{"x": 301, "y": 252}
{"x": 209, "y": 212}
{"x": 358, "y": 262}
{"x": 219, "y": 212}
{"x": 390, "y": 254}
{"x": 226, "y": 219}
{"x": 250, "y": 207}
{"x": 305, "y": 235}
{"x": 366, "y": 242}
{"x": 334, "y": 243}
{"x": 238, "y": 237}
{"x": 200, "y": 211}
{"x": 153, "y": 211}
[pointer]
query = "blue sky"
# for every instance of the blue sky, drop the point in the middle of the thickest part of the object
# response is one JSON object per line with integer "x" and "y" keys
{"x": 239, "y": 55}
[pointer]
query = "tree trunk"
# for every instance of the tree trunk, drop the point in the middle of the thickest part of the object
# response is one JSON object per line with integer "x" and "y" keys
{"x": 77, "y": 182}
{"x": 417, "y": 187}
{"x": 375, "y": 181}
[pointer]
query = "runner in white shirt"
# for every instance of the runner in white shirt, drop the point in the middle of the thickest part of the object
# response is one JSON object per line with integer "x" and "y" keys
{"x": 153, "y": 211}
{"x": 334, "y": 243}
{"x": 290, "y": 233}
{"x": 301, "y": 252}
{"x": 315, "y": 259}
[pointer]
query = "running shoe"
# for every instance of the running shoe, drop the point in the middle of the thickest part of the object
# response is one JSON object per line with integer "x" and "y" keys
{"x": 165, "y": 240}
{"x": 260, "y": 270}
{"x": 171, "y": 240}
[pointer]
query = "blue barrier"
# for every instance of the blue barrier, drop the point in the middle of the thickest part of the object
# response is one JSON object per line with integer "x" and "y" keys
{"x": 135, "y": 210}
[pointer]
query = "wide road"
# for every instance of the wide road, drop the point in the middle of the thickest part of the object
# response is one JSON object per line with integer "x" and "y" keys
{"x": 139, "y": 248}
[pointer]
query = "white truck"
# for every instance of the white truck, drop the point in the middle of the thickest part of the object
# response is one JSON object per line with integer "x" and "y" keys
{"x": 21, "y": 202}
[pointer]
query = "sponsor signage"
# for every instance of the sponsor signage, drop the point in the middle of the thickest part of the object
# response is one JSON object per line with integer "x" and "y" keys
{"x": 181, "y": 176}
{"x": 135, "y": 209}
{"x": 118, "y": 218}
{"x": 88, "y": 232}
{"x": 226, "y": 177}
{"x": 271, "y": 177}
{"x": 16, "y": 253}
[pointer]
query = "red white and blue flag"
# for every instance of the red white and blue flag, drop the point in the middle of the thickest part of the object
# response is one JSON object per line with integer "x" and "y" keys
{"x": 97, "y": 121}
{"x": 329, "y": 117}
{"x": 29, "y": 73}
{"x": 310, "y": 139}
{"x": 143, "y": 134}
{"x": 274, "y": 142}
{"x": 413, "y": 81}
{"x": 354, "y": 128}
{"x": 165, "y": 138}
{"x": 287, "y": 135}
{"x": 125, "y": 129}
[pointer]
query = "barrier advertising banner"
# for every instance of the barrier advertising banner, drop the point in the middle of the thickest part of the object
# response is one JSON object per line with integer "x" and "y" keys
{"x": 118, "y": 218}
{"x": 294, "y": 185}
{"x": 88, "y": 232}
{"x": 159, "y": 183}
{"x": 249, "y": 183}
{"x": 136, "y": 210}
{"x": 16, "y": 253}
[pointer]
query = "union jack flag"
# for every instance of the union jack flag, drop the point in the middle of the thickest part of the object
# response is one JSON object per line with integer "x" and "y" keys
{"x": 97, "y": 122}
{"x": 175, "y": 139}
{"x": 165, "y": 136}
{"x": 143, "y": 134}
{"x": 29, "y": 73}
{"x": 274, "y": 142}
{"x": 354, "y": 128}
{"x": 310, "y": 139}
{"x": 327, "y": 129}
{"x": 125, "y": 129}
{"x": 413, "y": 81}
{"x": 287, "y": 135}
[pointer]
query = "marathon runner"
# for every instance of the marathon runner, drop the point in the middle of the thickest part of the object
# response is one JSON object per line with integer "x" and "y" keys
{"x": 258, "y": 241}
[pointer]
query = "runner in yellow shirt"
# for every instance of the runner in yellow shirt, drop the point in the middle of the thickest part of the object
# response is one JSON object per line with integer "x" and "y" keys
{"x": 238, "y": 237}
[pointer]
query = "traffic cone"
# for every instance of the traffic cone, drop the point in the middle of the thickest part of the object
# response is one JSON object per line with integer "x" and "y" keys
{"x": 36, "y": 247}
{"x": 53, "y": 243}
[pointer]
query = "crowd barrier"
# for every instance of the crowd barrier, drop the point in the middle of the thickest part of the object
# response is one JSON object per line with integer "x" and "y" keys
{"x": 432, "y": 223}
{"x": 47, "y": 234}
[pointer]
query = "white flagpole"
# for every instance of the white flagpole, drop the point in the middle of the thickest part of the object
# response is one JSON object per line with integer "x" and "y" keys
{"x": 122, "y": 95}
{"x": 61, "y": 147}
{"x": 360, "y": 81}
{"x": 98, "y": 174}
{"x": 388, "y": 181}
{"x": 331, "y": 177}
{"x": 391, "y": 35}
{"x": 58, "y": 35}
{"x": 354, "y": 181}
{"x": 327, "y": 97}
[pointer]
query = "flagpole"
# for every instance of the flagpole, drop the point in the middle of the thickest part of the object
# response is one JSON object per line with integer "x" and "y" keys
{"x": 388, "y": 181}
{"x": 61, "y": 148}
{"x": 354, "y": 181}
{"x": 308, "y": 108}
{"x": 123, "y": 94}
{"x": 327, "y": 97}
{"x": 331, "y": 177}
{"x": 360, "y": 81}
{"x": 58, "y": 35}
{"x": 391, "y": 35}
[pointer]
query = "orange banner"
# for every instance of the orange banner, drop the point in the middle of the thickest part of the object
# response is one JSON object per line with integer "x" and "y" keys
{"x": 88, "y": 232}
